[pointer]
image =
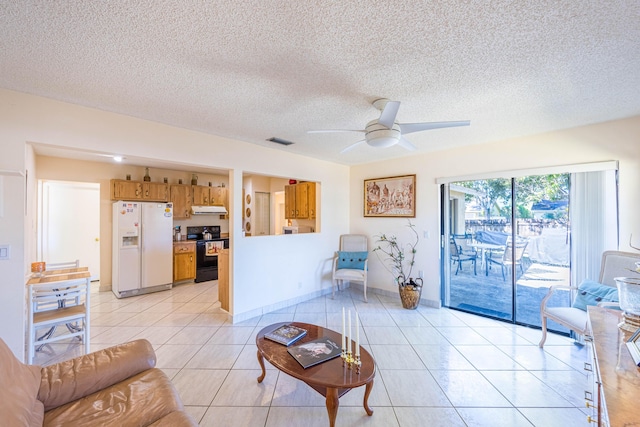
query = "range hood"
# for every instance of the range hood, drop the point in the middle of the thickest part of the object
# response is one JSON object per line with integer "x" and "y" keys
{"x": 215, "y": 210}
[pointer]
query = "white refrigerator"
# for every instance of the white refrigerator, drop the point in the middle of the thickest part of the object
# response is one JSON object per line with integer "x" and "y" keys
{"x": 142, "y": 247}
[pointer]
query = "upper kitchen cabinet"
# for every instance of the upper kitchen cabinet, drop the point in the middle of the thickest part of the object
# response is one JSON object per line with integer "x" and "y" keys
{"x": 219, "y": 196}
{"x": 209, "y": 196}
{"x": 201, "y": 195}
{"x": 135, "y": 190}
{"x": 181, "y": 198}
{"x": 155, "y": 191}
{"x": 126, "y": 190}
{"x": 300, "y": 200}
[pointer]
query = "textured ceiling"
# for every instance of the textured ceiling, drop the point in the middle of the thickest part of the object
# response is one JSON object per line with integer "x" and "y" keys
{"x": 251, "y": 70}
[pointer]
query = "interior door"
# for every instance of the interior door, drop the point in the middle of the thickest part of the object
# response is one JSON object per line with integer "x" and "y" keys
{"x": 69, "y": 223}
{"x": 262, "y": 219}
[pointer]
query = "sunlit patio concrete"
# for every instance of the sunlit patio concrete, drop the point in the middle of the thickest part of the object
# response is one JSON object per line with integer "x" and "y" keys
{"x": 488, "y": 294}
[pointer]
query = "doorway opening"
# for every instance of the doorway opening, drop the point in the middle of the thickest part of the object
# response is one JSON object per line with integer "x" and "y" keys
{"x": 69, "y": 223}
{"x": 508, "y": 240}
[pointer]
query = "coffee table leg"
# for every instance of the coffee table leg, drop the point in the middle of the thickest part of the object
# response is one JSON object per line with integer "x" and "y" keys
{"x": 332, "y": 405}
{"x": 367, "y": 392}
{"x": 261, "y": 362}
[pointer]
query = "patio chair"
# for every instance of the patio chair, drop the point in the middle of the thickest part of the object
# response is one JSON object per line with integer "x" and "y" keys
{"x": 614, "y": 264}
{"x": 508, "y": 259}
{"x": 462, "y": 241}
{"x": 458, "y": 257}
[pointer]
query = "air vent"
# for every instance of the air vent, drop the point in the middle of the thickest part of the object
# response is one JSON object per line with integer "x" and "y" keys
{"x": 280, "y": 141}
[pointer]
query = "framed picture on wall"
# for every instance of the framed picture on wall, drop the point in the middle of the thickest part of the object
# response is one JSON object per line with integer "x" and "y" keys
{"x": 390, "y": 197}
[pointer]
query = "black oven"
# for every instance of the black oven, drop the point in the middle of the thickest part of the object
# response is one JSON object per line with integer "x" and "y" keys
{"x": 207, "y": 250}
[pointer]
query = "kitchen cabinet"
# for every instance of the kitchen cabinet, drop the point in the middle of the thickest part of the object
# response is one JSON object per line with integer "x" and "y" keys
{"x": 181, "y": 198}
{"x": 300, "y": 200}
{"x": 155, "y": 191}
{"x": 135, "y": 190}
{"x": 201, "y": 195}
{"x": 219, "y": 196}
{"x": 290, "y": 201}
{"x": 184, "y": 261}
{"x": 126, "y": 190}
{"x": 311, "y": 197}
{"x": 209, "y": 196}
{"x": 223, "y": 279}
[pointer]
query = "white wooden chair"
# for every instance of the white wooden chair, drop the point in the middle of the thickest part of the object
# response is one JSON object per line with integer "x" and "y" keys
{"x": 58, "y": 303}
{"x": 350, "y": 243}
{"x": 62, "y": 265}
{"x": 614, "y": 264}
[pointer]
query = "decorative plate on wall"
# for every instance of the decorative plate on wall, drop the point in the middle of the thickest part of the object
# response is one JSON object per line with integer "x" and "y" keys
{"x": 248, "y": 212}
{"x": 248, "y": 198}
{"x": 248, "y": 226}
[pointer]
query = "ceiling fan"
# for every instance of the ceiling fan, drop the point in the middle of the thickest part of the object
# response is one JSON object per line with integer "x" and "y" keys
{"x": 386, "y": 132}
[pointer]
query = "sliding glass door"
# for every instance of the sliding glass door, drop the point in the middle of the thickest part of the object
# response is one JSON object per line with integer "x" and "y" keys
{"x": 508, "y": 242}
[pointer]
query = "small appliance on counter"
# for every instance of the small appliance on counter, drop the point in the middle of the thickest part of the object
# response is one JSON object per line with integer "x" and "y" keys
{"x": 295, "y": 229}
{"x": 208, "y": 246}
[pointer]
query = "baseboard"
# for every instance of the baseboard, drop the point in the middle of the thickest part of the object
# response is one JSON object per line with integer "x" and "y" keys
{"x": 303, "y": 298}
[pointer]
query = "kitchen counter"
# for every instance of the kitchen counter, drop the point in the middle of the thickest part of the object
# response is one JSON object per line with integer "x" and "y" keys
{"x": 223, "y": 280}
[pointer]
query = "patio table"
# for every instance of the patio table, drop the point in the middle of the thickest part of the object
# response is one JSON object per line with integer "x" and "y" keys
{"x": 484, "y": 248}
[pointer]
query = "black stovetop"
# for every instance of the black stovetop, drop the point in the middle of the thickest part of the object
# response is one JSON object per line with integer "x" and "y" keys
{"x": 196, "y": 233}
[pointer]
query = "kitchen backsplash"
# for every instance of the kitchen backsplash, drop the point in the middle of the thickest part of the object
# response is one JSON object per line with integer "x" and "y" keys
{"x": 202, "y": 220}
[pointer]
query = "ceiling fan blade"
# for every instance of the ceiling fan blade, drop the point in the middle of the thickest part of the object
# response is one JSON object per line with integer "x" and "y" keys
{"x": 335, "y": 130}
{"x": 352, "y": 146}
{"x": 388, "y": 115}
{"x": 406, "y": 128}
{"x": 404, "y": 143}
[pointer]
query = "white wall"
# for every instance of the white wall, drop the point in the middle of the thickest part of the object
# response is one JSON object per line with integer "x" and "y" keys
{"x": 262, "y": 270}
{"x": 616, "y": 140}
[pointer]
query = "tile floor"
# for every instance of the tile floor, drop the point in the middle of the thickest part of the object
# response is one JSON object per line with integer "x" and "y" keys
{"x": 436, "y": 367}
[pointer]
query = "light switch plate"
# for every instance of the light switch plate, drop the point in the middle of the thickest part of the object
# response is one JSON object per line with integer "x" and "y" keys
{"x": 5, "y": 252}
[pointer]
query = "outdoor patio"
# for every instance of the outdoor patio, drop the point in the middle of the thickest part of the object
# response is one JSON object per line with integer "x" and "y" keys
{"x": 492, "y": 296}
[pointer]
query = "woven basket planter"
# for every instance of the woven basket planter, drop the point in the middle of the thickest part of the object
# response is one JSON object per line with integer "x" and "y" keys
{"x": 410, "y": 296}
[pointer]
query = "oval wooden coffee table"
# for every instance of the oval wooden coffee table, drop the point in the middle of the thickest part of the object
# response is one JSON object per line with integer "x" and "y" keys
{"x": 331, "y": 379}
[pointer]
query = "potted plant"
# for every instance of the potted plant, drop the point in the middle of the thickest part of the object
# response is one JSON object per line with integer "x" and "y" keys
{"x": 399, "y": 260}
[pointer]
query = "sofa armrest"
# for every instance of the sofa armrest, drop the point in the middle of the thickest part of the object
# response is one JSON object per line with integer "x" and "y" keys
{"x": 75, "y": 378}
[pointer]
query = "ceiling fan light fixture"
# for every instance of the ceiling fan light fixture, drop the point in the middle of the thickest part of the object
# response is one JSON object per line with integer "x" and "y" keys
{"x": 379, "y": 136}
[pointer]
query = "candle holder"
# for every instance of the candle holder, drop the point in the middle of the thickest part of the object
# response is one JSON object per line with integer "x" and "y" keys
{"x": 347, "y": 359}
{"x": 358, "y": 363}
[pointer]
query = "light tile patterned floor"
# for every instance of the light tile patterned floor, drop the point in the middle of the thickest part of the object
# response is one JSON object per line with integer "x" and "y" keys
{"x": 436, "y": 367}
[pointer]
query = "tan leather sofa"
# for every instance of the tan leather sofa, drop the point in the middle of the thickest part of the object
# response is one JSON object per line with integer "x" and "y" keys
{"x": 117, "y": 386}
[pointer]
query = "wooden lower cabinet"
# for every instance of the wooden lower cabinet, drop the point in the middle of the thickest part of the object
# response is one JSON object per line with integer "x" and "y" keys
{"x": 184, "y": 261}
{"x": 223, "y": 279}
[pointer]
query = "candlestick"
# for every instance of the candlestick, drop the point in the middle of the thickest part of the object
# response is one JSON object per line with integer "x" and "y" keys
{"x": 343, "y": 343}
{"x": 357, "y": 335}
{"x": 349, "y": 334}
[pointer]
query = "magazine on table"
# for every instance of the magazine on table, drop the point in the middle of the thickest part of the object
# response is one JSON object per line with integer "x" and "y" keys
{"x": 314, "y": 352}
{"x": 286, "y": 334}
